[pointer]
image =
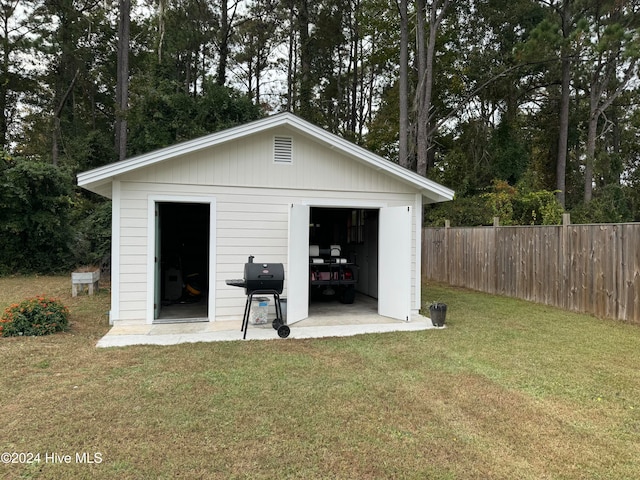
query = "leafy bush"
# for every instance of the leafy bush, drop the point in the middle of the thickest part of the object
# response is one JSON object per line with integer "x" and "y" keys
{"x": 91, "y": 241}
{"x": 461, "y": 211}
{"x": 35, "y": 206}
{"x": 610, "y": 204}
{"x": 501, "y": 201}
{"x": 512, "y": 205}
{"x": 539, "y": 208}
{"x": 34, "y": 317}
{"x": 522, "y": 206}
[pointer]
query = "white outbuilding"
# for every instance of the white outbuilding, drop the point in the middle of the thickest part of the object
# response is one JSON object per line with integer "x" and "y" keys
{"x": 187, "y": 217}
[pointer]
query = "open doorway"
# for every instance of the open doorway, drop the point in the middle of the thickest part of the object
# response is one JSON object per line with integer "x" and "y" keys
{"x": 182, "y": 255}
{"x": 343, "y": 256}
{"x": 389, "y": 272}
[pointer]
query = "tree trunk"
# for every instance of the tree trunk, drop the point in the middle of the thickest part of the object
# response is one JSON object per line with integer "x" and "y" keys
{"x": 354, "y": 86}
{"x": 291, "y": 61}
{"x": 403, "y": 148}
{"x": 223, "y": 52}
{"x": 615, "y": 167}
{"x": 592, "y": 131}
{"x": 425, "y": 87}
{"x": 612, "y": 72}
{"x": 56, "y": 120}
{"x": 122, "y": 85}
{"x": 563, "y": 136}
{"x": 305, "y": 60}
{"x": 258, "y": 74}
{"x": 4, "y": 80}
{"x": 162, "y": 8}
{"x": 422, "y": 113}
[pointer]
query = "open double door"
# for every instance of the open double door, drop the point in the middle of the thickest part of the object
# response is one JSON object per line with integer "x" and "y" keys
{"x": 393, "y": 261}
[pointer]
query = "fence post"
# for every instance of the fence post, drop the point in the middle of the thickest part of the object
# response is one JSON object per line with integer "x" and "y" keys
{"x": 497, "y": 282}
{"x": 565, "y": 288}
{"x": 447, "y": 226}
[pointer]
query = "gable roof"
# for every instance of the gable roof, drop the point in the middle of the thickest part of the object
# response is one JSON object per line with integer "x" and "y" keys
{"x": 99, "y": 179}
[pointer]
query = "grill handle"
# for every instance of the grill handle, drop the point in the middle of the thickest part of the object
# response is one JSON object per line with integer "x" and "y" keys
{"x": 251, "y": 257}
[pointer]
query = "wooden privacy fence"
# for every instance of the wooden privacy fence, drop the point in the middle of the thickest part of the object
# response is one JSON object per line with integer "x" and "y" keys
{"x": 584, "y": 268}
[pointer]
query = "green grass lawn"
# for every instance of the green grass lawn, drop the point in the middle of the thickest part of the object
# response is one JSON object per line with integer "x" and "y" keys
{"x": 510, "y": 390}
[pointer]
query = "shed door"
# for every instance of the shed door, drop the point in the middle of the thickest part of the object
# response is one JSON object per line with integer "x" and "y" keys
{"x": 394, "y": 262}
{"x": 297, "y": 280}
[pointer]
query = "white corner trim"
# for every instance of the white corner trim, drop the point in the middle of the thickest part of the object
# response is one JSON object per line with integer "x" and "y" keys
{"x": 418, "y": 246}
{"x": 114, "y": 313}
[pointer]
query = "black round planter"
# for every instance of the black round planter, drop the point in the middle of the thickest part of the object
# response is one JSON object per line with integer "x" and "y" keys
{"x": 438, "y": 314}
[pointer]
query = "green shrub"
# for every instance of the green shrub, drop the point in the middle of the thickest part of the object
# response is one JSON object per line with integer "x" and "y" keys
{"x": 91, "y": 241}
{"x": 35, "y": 206}
{"x": 610, "y": 204}
{"x": 34, "y": 316}
{"x": 461, "y": 211}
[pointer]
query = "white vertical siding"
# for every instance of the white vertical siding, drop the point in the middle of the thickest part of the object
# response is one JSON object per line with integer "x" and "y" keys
{"x": 250, "y": 163}
{"x": 116, "y": 221}
{"x": 133, "y": 255}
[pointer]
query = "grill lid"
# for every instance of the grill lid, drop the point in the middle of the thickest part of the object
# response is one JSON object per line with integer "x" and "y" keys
{"x": 264, "y": 276}
{"x": 260, "y": 276}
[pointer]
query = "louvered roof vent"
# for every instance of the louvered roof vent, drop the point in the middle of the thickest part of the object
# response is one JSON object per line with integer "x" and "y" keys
{"x": 282, "y": 149}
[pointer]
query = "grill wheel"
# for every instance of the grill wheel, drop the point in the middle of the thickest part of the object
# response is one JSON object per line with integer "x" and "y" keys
{"x": 282, "y": 329}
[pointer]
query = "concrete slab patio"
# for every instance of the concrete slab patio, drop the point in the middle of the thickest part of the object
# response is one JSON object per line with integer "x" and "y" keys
{"x": 172, "y": 334}
{"x": 325, "y": 320}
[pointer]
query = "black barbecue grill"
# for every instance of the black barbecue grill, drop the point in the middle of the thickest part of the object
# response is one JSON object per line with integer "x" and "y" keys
{"x": 262, "y": 279}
